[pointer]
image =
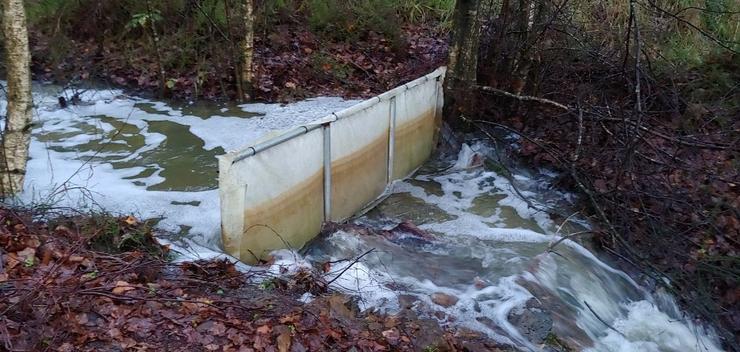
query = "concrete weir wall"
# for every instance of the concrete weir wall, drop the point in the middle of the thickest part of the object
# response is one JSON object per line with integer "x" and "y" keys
{"x": 277, "y": 193}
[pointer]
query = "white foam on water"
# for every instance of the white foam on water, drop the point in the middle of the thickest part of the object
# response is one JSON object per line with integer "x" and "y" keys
{"x": 66, "y": 179}
{"x": 287, "y": 262}
{"x": 231, "y": 132}
{"x": 59, "y": 176}
{"x": 574, "y": 274}
{"x": 647, "y": 328}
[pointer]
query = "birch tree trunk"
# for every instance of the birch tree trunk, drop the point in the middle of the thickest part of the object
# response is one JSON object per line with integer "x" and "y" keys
{"x": 17, "y": 134}
{"x": 247, "y": 48}
{"x": 462, "y": 67}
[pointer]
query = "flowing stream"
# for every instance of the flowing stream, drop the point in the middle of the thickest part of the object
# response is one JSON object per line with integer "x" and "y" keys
{"x": 494, "y": 258}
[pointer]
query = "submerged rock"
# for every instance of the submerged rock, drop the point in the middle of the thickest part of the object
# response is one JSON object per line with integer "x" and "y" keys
{"x": 443, "y": 299}
{"x": 533, "y": 321}
{"x": 407, "y": 301}
{"x": 405, "y": 232}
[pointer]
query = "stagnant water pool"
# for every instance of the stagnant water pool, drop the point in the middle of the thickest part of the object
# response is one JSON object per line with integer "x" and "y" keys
{"x": 490, "y": 252}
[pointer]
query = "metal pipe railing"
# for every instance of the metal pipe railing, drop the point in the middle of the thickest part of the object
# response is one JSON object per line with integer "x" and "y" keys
{"x": 301, "y": 130}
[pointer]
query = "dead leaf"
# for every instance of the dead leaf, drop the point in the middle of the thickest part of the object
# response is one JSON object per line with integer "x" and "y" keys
{"x": 76, "y": 259}
{"x": 218, "y": 329}
{"x": 264, "y": 329}
{"x": 392, "y": 335}
{"x": 283, "y": 342}
{"x": 131, "y": 220}
{"x": 11, "y": 261}
{"x": 338, "y": 306}
{"x": 27, "y": 253}
{"x": 122, "y": 287}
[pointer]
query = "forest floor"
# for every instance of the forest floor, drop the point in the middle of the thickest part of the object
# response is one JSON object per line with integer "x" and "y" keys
{"x": 101, "y": 283}
{"x": 290, "y": 64}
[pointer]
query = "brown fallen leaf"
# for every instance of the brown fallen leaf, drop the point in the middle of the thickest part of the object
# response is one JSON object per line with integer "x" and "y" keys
{"x": 283, "y": 342}
{"x": 27, "y": 254}
{"x": 76, "y": 259}
{"x": 326, "y": 267}
{"x": 264, "y": 329}
{"x": 392, "y": 335}
{"x": 11, "y": 261}
{"x": 131, "y": 220}
{"x": 122, "y": 287}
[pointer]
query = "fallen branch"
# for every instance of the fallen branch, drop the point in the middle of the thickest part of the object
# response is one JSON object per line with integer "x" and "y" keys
{"x": 672, "y": 139}
{"x": 548, "y": 150}
{"x": 566, "y": 237}
{"x": 523, "y": 97}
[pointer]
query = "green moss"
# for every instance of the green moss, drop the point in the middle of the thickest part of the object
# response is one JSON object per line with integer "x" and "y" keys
{"x": 111, "y": 234}
{"x": 556, "y": 343}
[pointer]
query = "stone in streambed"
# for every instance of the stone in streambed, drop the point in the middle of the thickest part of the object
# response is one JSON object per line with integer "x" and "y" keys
{"x": 443, "y": 299}
{"x": 534, "y": 322}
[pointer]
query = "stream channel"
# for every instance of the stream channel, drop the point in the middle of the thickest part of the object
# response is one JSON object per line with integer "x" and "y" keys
{"x": 494, "y": 263}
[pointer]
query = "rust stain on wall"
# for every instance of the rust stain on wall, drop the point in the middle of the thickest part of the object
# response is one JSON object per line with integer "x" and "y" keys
{"x": 413, "y": 143}
{"x": 296, "y": 215}
{"x": 359, "y": 178}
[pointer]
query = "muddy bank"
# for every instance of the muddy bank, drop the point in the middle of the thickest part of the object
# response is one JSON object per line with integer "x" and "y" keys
{"x": 104, "y": 284}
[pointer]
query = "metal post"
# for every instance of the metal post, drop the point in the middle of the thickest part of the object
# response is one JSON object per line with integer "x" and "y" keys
{"x": 327, "y": 170}
{"x": 391, "y": 137}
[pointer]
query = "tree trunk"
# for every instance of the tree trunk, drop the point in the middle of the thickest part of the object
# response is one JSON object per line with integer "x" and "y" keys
{"x": 17, "y": 134}
{"x": 157, "y": 51}
{"x": 530, "y": 16}
{"x": 462, "y": 67}
{"x": 247, "y": 46}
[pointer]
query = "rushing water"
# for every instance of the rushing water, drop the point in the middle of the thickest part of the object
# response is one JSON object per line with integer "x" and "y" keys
{"x": 492, "y": 251}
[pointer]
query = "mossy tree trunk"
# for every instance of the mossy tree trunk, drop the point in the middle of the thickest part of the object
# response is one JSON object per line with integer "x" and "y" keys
{"x": 17, "y": 134}
{"x": 462, "y": 67}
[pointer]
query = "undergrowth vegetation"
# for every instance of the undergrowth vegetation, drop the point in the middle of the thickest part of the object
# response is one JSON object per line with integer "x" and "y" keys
{"x": 199, "y": 39}
{"x": 682, "y": 38}
{"x": 645, "y": 127}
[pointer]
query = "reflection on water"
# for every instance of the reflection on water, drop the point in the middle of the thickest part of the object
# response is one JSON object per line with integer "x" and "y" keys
{"x": 203, "y": 109}
{"x": 180, "y": 159}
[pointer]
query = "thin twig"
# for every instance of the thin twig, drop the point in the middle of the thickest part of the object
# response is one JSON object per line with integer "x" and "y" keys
{"x": 567, "y": 237}
{"x": 602, "y": 320}
{"x": 523, "y": 97}
{"x": 350, "y": 265}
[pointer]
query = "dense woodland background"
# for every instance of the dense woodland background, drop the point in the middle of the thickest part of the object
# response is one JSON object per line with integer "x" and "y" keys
{"x": 635, "y": 102}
